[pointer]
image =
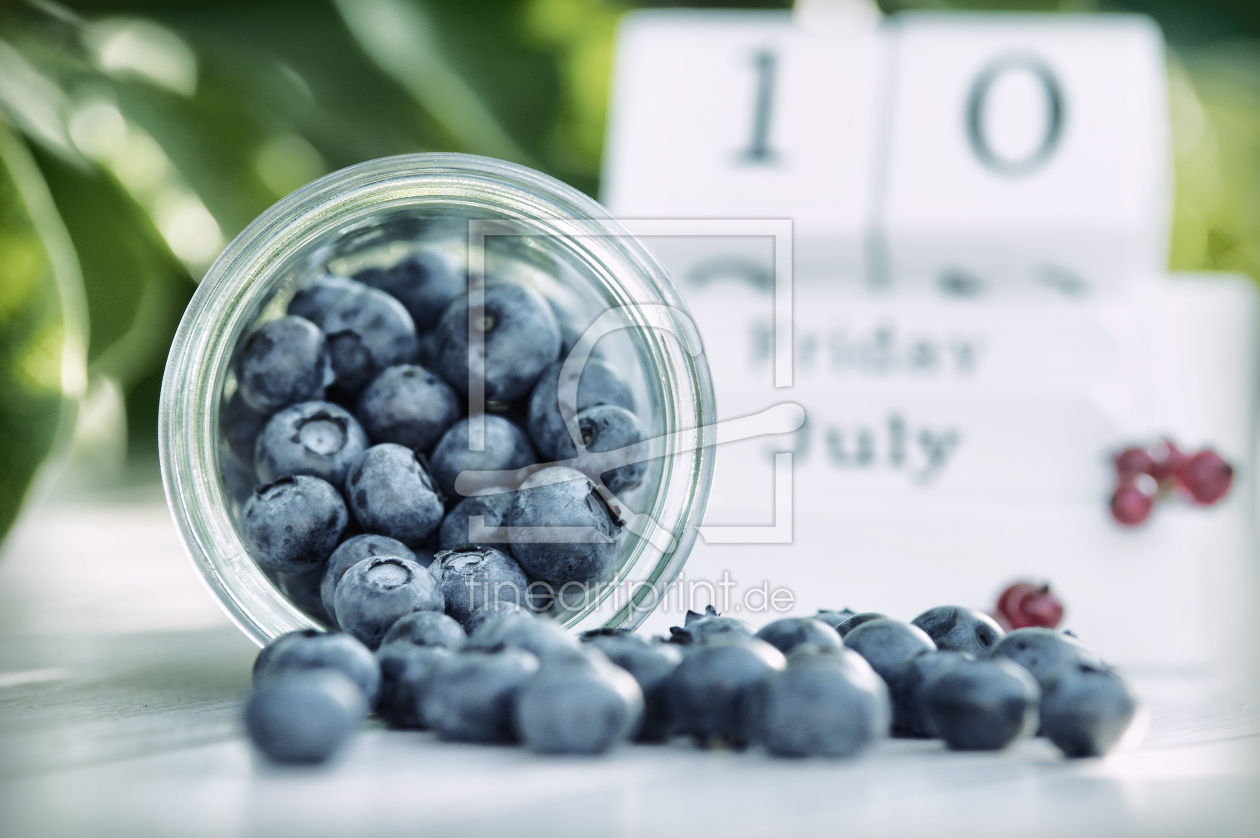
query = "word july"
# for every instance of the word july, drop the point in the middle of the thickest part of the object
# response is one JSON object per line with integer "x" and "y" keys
{"x": 921, "y": 452}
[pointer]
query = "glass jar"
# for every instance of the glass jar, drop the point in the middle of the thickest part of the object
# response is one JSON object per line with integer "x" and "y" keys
{"x": 546, "y": 235}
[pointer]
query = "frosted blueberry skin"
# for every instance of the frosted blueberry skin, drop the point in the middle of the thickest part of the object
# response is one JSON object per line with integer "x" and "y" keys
{"x": 521, "y": 338}
{"x": 495, "y": 609}
{"x": 709, "y": 691}
{"x": 958, "y": 629}
{"x": 650, "y": 664}
{"x": 906, "y": 687}
{"x": 313, "y": 649}
{"x": 560, "y": 497}
{"x": 539, "y": 636}
{"x": 598, "y": 384}
{"x": 492, "y": 506}
{"x": 886, "y": 643}
{"x": 285, "y": 361}
{"x": 827, "y": 702}
{"x": 304, "y": 718}
{"x": 578, "y": 704}
{"x": 408, "y": 405}
{"x": 316, "y": 438}
{"x": 470, "y": 577}
{"x": 376, "y": 592}
{"x": 856, "y": 620}
{"x": 608, "y": 428}
{"x": 425, "y": 628}
{"x": 698, "y": 627}
{"x": 367, "y": 331}
{"x": 981, "y": 705}
{"x": 293, "y": 524}
{"x": 1086, "y": 709}
{"x": 392, "y": 494}
{"x": 1042, "y": 651}
{"x": 469, "y": 696}
{"x": 425, "y": 283}
{"x": 314, "y": 300}
{"x": 506, "y": 448}
{"x": 788, "y": 633}
{"x": 348, "y": 554}
{"x": 405, "y": 670}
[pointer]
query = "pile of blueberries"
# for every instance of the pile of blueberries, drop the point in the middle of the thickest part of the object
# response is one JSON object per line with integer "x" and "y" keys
{"x": 824, "y": 686}
{"x": 346, "y": 432}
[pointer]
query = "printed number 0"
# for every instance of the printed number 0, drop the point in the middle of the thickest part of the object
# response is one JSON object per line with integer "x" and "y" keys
{"x": 977, "y": 98}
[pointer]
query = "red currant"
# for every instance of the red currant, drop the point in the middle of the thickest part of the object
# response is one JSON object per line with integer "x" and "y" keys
{"x": 1167, "y": 458}
{"x": 1133, "y": 501}
{"x": 1205, "y": 476}
{"x": 1134, "y": 461}
{"x": 1024, "y": 604}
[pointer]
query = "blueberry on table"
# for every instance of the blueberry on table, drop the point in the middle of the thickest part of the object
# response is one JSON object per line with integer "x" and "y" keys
{"x": 470, "y": 577}
{"x": 469, "y": 696}
{"x": 425, "y": 283}
{"x": 408, "y": 405}
{"x": 607, "y": 428}
{"x": 834, "y": 618}
{"x": 315, "y": 299}
{"x": 886, "y": 643}
{"x": 491, "y": 504}
{"x": 313, "y": 649}
{"x": 650, "y": 664}
{"x": 906, "y": 688}
{"x": 506, "y": 448}
{"x": 285, "y": 361}
{"x": 367, "y": 332}
{"x": 293, "y": 524}
{"x": 315, "y": 438}
{"x": 378, "y": 591}
{"x": 391, "y": 493}
{"x": 981, "y": 705}
{"x": 598, "y": 384}
{"x": 1086, "y": 709}
{"x": 304, "y": 718}
{"x": 574, "y": 533}
{"x": 856, "y": 620}
{"x": 521, "y": 337}
{"x": 425, "y": 628}
{"x": 540, "y": 636}
{"x": 699, "y": 626}
{"x": 827, "y": 702}
{"x": 788, "y": 633}
{"x": 710, "y": 690}
{"x": 495, "y": 609}
{"x": 405, "y": 669}
{"x": 578, "y": 703}
{"x": 958, "y": 629}
{"x": 348, "y": 554}
{"x": 1042, "y": 651}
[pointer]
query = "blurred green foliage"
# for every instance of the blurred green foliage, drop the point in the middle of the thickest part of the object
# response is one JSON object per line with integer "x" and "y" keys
{"x": 161, "y": 128}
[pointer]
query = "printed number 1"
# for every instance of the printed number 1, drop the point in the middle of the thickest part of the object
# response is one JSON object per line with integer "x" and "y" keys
{"x": 758, "y": 151}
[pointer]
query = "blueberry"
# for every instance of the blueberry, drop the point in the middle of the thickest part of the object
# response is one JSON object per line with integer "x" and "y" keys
{"x": 827, "y": 702}
{"x": 312, "y": 649}
{"x": 598, "y": 384}
{"x": 425, "y": 628}
{"x": 469, "y": 696}
{"x": 425, "y": 283}
{"x": 578, "y": 704}
{"x": 886, "y": 643}
{"x": 470, "y": 577}
{"x": 958, "y": 629}
{"x": 491, "y": 504}
{"x": 981, "y": 705}
{"x": 391, "y": 493}
{"x": 348, "y": 554}
{"x": 606, "y": 428}
{"x": 241, "y": 425}
{"x": 1086, "y": 709}
{"x": 422, "y": 556}
{"x": 906, "y": 687}
{"x": 1042, "y": 651}
{"x": 856, "y": 620}
{"x": 367, "y": 331}
{"x": 293, "y": 524}
{"x": 709, "y": 692}
{"x": 304, "y": 718}
{"x": 283, "y": 362}
{"x": 302, "y": 589}
{"x": 408, "y": 405}
{"x": 834, "y": 618}
{"x": 506, "y": 448}
{"x": 650, "y": 663}
{"x": 405, "y": 670}
{"x": 521, "y": 338}
{"x": 315, "y": 299}
{"x": 376, "y": 592}
{"x": 315, "y": 438}
{"x": 495, "y": 609}
{"x": 539, "y": 636}
{"x": 790, "y": 632}
{"x": 563, "y": 498}
{"x": 698, "y": 627}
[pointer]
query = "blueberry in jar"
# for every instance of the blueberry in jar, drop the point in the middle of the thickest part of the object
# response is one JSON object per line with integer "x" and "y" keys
{"x": 958, "y": 629}
{"x": 425, "y": 283}
{"x": 408, "y": 405}
{"x": 563, "y": 498}
{"x": 491, "y": 504}
{"x": 886, "y": 643}
{"x": 598, "y": 384}
{"x": 376, "y": 592}
{"x": 315, "y": 438}
{"x": 470, "y": 577}
{"x": 495, "y": 609}
{"x": 313, "y": 649}
{"x": 607, "y": 428}
{"x": 304, "y": 718}
{"x": 293, "y": 524}
{"x": 367, "y": 331}
{"x": 392, "y": 494}
{"x": 505, "y": 448}
{"x": 470, "y": 696}
{"x": 302, "y": 589}
{"x": 314, "y": 299}
{"x": 348, "y": 554}
{"x": 241, "y": 425}
{"x": 578, "y": 703}
{"x": 285, "y": 361}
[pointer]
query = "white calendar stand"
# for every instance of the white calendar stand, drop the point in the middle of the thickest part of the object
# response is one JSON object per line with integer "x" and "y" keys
{"x": 980, "y": 206}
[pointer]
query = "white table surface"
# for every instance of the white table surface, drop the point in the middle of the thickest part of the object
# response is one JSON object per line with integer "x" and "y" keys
{"x": 121, "y": 687}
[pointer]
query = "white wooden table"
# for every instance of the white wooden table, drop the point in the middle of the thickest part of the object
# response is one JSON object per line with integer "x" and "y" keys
{"x": 121, "y": 685}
